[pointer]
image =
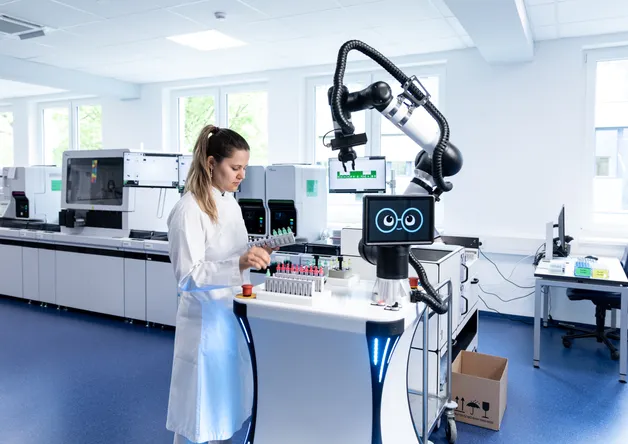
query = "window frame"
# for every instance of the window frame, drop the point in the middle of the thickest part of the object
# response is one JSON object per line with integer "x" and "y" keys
{"x": 9, "y": 109}
{"x": 310, "y": 115}
{"x": 73, "y": 123}
{"x": 431, "y": 70}
{"x": 220, "y": 93}
{"x": 373, "y": 118}
{"x": 609, "y": 229}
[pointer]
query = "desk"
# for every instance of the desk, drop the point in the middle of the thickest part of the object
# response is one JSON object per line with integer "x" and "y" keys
{"x": 616, "y": 282}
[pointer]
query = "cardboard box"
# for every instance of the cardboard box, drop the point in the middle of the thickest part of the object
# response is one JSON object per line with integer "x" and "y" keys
{"x": 480, "y": 386}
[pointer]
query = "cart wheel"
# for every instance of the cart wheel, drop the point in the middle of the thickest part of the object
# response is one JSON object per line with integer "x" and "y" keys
{"x": 567, "y": 343}
{"x": 452, "y": 431}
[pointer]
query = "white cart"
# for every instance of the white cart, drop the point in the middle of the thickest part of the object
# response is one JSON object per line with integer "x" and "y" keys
{"x": 336, "y": 371}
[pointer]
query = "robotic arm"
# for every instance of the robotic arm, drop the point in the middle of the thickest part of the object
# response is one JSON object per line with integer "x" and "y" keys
{"x": 438, "y": 158}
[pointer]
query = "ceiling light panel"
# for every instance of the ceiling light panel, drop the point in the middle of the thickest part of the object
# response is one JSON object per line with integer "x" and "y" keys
{"x": 207, "y": 40}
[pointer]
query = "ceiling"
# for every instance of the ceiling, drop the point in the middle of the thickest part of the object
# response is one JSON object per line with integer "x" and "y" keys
{"x": 126, "y": 39}
{"x": 19, "y": 89}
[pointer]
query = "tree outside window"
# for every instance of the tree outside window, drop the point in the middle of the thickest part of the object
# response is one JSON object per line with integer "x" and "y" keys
{"x": 247, "y": 114}
{"x": 194, "y": 113}
{"x": 70, "y": 127}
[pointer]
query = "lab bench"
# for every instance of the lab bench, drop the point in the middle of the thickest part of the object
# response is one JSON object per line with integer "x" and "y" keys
{"x": 125, "y": 277}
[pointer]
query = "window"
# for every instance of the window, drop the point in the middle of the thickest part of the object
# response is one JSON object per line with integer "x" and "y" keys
{"x": 602, "y": 166}
{"x": 6, "y": 138}
{"x": 194, "y": 113}
{"x": 244, "y": 110}
{"x": 399, "y": 150}
{"x": 89, "y": 127}
{"x": 56, "y": 135}
{"x": 69, "y": 126}
{"x": 324, "y": 124}
{"x": 247, "y": 114}
{"x": 342, "y": 209}
{"x": 610, "y": 183}
{"x": 383, "y": 138}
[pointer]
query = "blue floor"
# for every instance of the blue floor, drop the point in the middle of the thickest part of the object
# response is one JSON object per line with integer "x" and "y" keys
{"x": 74, "y": 378}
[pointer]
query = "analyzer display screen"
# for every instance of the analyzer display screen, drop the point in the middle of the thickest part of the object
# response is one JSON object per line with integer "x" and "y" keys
{"x": 398, "y": 220}
{"x": 94, "y": 181}
{"x": 151, "y": 170}
{"x": 369, "y": 176}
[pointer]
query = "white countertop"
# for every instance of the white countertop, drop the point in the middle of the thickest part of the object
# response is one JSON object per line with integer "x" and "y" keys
{"x": 118, "y": 243}
{"x": 616, "y": 273}
{"x": 345, "y": 309}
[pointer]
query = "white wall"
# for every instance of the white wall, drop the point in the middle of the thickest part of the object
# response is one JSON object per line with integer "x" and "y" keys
{"x": 521, "y": 129}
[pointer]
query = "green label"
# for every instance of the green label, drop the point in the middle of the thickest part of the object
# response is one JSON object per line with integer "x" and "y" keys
{"x": 582, "y": 271}
{"x": 55, "y": 185}
{"x": 311, "y": 187}
{"x": 357, "y": 175}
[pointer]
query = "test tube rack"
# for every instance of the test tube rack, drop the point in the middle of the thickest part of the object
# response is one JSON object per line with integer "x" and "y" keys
{"x": 279, "y": 238}
{"x": 297, "y": 287}
{"x": 317, "y": 281}
{"x": 583, "y": 269}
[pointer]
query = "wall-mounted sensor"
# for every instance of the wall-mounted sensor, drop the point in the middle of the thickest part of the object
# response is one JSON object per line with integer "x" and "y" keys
{"x": 220, "y": 16}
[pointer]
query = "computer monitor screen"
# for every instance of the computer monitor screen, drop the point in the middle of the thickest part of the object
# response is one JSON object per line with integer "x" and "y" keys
{"x": 398, "y": 220}
{"x": 153, "y": 170}
{"x": 369, "y": 176}
{"x": 561, "y": 230}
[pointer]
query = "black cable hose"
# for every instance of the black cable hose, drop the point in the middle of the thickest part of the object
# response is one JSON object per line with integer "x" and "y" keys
{"x": 430, "y": 297}
{"x": 348, "y": 128}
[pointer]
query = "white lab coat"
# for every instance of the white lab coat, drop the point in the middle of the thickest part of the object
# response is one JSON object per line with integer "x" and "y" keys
{"x": 211, "y": 391}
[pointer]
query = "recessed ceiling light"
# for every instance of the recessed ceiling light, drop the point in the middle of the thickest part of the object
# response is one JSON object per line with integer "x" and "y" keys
{"x": 207, "y": 40}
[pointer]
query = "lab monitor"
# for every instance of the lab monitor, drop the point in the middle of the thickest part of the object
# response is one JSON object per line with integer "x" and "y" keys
{"x": 369, "y": 176}
{"x": 151, "y": 170}
{"x": 398, "y": 220}
{"x": 562, "y": 246}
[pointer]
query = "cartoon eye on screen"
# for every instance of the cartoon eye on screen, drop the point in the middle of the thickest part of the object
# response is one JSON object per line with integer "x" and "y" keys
{"x": 398, "y": 220}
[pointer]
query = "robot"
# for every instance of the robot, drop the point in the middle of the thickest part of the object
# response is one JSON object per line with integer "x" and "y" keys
{"x": 437, "y": 159}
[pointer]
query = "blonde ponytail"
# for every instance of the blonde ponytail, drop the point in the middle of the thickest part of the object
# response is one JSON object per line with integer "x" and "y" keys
{"x": 218, "y": 143}
{"x": 199, "y": 180}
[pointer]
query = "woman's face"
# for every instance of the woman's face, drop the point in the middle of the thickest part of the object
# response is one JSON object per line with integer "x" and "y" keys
{"x": 227, "y": 175}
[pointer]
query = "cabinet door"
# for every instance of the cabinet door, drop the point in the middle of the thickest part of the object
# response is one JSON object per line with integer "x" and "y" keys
{"x": 92, "y": 282}
{"x": 135, "y": 289}
{"x": 30, "y": 273}
{"x": 161, "y": 291}
{"x": 47, "y": 275}
{"x": 11, "y": 271}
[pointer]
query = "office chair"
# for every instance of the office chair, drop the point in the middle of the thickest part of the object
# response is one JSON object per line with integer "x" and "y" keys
{"x": 603, "y": 301}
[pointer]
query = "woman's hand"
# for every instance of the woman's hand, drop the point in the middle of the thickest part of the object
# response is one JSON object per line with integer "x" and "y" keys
{"x": 269, "y": 250}
{"x": 256, "y": 257}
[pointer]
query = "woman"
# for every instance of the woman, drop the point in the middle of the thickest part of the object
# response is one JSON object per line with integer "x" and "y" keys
{"x": 211, "y": 391}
